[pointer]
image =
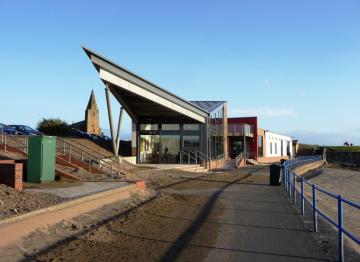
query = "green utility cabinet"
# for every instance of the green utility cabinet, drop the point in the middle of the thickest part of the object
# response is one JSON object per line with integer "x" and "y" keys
{"x": 41, "y": 161}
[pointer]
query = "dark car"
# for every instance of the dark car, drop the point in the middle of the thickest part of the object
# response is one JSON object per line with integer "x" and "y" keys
{"x": 25, "y": 130}
{"x": 79, "y": 133}
{"x": 7, "y": 129}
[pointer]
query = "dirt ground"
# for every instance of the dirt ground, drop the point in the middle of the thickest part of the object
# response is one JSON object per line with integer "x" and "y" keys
{"x": 147, "y": 232}
{"x": 13, "y": 202}
{"x": 342, "y": 181}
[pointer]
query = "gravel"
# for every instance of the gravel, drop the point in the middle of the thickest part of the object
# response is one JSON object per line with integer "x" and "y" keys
{"x": 13, "y": 202}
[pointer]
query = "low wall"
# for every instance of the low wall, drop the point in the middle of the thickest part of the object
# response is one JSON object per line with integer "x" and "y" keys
{"x": 347, "y": 158}
{"x": 301, "y": 170}
{"x": 268, "y": 160}
{"x": 218, "y": 163}
{"x": 11, "y": 174}
{"x": 130, "y": 159}
{"x": 15, "y": 161}
{"x": 241, "y": 163}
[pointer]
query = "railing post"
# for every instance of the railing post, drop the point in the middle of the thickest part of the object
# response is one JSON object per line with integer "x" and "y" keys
{"x": 181, "y": 153}
{"x": 5, "y": 143}
{"x": 27, "y": 145}
{"x": 81, "y": 153}
{"x": 90, "y": 164}
{"x": 290, "y": 189}
{"x": 302, "y": 197}
{"x": 286, "y": 178}
{"x": 118, "y": 167}
{"x": 294, "y": 188}
{"x": 64, "y": 149}
{"x": 314, "y": 208}
{"x": 340, "y": 228}
{"x": 69, "y": 153}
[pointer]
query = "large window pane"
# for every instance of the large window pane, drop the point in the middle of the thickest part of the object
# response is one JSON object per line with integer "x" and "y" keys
{"x": 149, "y": 149}
{"x": 148, "y": 127}
{"x": 191, "y": 127}
{"x": 170, "y": 127}
{"x": 191, "y": 142}
{"x": 170, "y": 149}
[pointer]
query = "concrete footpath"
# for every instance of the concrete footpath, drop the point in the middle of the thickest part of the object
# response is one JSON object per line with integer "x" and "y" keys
{"x": 257, "y": 223}
{"x": 83, "y": 189}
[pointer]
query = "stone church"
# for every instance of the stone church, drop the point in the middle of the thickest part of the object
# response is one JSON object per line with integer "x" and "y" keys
{"x": 91, "y": 125}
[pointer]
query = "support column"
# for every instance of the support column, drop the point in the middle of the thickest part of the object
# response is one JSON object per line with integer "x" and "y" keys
{"x": 107, "y": 93}
{"x": 118, "y": 135}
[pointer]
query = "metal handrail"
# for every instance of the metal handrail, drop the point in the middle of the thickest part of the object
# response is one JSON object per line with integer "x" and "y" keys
{"x": 239, "y": 157}
{"x": 91, "y": 157}
{"x": 72, "y": 151}
{"x": 188, "y": 154}
{"x": 290, "y": 179}
{"x": 6, "y": 137}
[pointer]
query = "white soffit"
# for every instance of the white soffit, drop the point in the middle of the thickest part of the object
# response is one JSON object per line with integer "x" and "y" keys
{"x": 113, "y": 79}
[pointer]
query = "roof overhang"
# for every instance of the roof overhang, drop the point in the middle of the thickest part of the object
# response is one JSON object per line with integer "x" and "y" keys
{"x": 141, "y": 98}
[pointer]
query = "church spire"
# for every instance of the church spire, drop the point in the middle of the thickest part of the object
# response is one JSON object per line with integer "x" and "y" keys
{"x": 92, "y": 101}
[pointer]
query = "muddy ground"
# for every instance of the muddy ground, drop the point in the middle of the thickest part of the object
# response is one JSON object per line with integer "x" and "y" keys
{"x": 13, "y": 202}
{"x": 145, "y": 233}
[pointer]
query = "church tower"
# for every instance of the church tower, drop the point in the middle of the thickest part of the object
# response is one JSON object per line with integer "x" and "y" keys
{"x": 92, "y": 116}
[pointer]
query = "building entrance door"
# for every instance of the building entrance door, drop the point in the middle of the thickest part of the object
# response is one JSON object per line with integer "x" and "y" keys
{"x": 238, "y": 147}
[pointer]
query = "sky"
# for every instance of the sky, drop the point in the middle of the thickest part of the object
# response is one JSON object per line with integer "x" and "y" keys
{"x": 294, "y": 64}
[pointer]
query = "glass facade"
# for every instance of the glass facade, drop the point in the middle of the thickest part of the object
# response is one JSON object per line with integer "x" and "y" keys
{"x": 149, "y": 149}
{"x": 260, "y": 146}
{"x": 191, "y": 127}
{"x": 216, "y": 133}
{"x": 170, "y": 143}
{"x": 163, "y": 143}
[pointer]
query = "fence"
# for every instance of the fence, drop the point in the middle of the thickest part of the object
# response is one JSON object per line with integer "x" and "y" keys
{"x": 290, "y": 179}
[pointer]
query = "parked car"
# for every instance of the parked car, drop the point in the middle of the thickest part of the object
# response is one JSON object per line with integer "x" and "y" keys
{"x": 25, "y": 130}
{"x": 7, "y": 129}
{"x": 80, "y": 133}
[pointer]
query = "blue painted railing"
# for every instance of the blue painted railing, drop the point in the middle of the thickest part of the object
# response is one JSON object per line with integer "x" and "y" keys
{"x": 290, "y": 178}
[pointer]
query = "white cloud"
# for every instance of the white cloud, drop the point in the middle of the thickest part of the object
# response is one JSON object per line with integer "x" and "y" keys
{"x": 262, "y": 112}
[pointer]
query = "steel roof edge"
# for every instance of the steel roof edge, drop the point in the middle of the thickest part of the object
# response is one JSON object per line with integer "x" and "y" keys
{"x": 188, "y": 104}
{"x": 221, "y": 103}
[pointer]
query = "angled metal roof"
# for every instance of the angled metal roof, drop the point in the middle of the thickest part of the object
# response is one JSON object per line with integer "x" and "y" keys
{"x": 208, "y": 106}
{"x": 103, "y": 63}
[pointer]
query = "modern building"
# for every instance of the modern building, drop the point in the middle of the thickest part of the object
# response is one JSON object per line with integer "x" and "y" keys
{"x": 276, "y": 147}
{"x": 242, "y": 136}
{"x": 261, "y": 145}
{"x": 166, "y": 128}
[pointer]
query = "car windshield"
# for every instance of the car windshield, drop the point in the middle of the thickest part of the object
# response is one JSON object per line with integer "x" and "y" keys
{"x": 2, "y": 125}
{"x": 27, "y": 128}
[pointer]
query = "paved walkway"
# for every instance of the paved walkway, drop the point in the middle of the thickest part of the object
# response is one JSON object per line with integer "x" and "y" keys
{"x": 257, "y": 222}
{"x": 83, "y": 189}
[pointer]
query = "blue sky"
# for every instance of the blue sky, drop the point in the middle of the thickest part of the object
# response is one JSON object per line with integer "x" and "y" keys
{"x": 295, "y": 64}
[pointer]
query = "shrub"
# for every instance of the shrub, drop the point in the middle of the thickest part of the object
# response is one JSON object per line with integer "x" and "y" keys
{"x": 54, "y": 127}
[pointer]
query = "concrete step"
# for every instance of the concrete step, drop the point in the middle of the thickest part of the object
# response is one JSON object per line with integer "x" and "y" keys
{"x": 194, "y": 168}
